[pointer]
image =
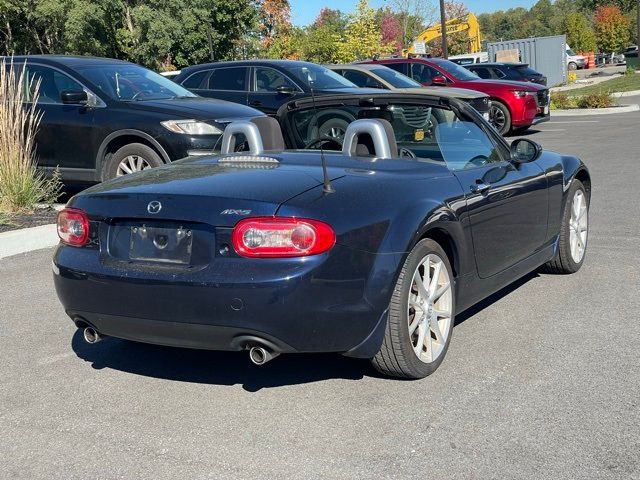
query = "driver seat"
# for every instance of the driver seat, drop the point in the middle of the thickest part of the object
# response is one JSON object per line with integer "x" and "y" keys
{"x": 370, "y": 137}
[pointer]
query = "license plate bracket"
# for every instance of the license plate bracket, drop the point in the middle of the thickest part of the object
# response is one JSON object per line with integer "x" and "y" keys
{"x": 159, "y": 244}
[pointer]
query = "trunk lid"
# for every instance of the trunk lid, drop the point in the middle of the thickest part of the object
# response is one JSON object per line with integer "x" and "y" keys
{"x": 199, "y": 191}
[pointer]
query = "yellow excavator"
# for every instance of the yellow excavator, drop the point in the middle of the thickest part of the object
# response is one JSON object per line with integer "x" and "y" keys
{"x": 469, "y": 25}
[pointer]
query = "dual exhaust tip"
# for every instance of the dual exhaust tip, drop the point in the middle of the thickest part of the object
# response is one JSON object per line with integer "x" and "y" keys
{"x": 258, "y": 355}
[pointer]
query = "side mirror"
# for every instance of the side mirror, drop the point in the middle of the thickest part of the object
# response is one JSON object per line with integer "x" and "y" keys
{"x": 74, "y": 97}
{"x": 524, "y": 150}
{"x": 439, "y": 80}
{"x": 286, "y": 90}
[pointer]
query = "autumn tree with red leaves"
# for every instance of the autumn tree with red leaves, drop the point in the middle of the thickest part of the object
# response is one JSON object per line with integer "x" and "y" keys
{"x": 612, "y": 28}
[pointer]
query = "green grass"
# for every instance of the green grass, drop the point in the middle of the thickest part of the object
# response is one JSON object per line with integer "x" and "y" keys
{"x": 624, "y": 83}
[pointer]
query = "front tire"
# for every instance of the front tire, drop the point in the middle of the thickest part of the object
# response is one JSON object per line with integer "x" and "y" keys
{"x": 421, "y": 315}
{"x": 572, "y": 245}
{"x": 500, "y": 117}
{"x": 131, "y": 158}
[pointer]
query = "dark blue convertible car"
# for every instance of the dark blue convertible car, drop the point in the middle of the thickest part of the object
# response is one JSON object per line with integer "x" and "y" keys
{"x": 366, "y": 243}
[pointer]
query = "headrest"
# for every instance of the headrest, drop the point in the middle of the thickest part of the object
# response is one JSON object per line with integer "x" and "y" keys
{"x": 381, "y": 135}
{"x": 261, "y": 133}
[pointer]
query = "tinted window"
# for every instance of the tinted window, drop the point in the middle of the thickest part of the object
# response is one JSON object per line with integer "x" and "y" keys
{"x": 195, "y": 80}
{"x": 396, "y": 79}
{"x": 423, "y": 73}
{"x": 51, "y": 82}
{"x": 398, "y": 67}
{"x": 482, "y": 72}
{"x": 318, "y": 77}
{"x": 456, "y": 70}
{"x": 232, "y": 78}
{"x": 500, "y": 73}
{"x": 527, "y": 72}
{"x": 269, "y": 80}
{"x": 126, "y": 82}
{"x": 361, "y": 79}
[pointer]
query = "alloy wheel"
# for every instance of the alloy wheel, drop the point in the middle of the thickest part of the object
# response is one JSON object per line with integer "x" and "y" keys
{"x": 429, "y": 309}
{"x": 497, "y": 117}
{"x": 578, "y": 226}
{"x": 132, "y": 164}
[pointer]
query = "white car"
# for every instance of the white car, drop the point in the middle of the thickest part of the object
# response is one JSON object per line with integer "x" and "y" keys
{"x": 470, "y": 58}
{"x": 575, "y": 61}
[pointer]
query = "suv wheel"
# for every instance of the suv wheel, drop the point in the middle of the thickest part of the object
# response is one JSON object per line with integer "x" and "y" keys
{"x": 573, "y": 66}
{"x": 500, "y": 117}
{"x": 131, "y": 158}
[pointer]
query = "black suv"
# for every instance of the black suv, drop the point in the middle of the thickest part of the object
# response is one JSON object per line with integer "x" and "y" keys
{"x": 263, "y": 84}
{"x": 520, "y": 72}
{"x": 103, "y": 118}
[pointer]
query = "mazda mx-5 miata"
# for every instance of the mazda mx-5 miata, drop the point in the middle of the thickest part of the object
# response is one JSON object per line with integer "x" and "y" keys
{"x": 367, "y": 244}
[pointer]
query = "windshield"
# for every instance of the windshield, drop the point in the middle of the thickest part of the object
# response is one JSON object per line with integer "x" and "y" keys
{"x": 571, "y": 53}
{"x": 456, "y": 70}
{"x": 128, "y": 83}
{"x": 527, "y": 72}
{"x": 318, "y": 77}
{"x": 396, "y": 79}
{"x": 426, "y": 132}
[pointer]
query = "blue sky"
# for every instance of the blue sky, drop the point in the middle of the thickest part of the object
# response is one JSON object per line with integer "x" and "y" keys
{"x": 304, "y": 12}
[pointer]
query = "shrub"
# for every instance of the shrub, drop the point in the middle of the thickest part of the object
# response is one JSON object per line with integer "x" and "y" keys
{"x": 562, "y": 101}
{"x": 21, "y": 184}
{"x": 596, "y": 100}
{"x": 630, "y": 70}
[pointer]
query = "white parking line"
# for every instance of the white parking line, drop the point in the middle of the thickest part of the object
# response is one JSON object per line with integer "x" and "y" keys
{"x": 553, "y": 130}
{"x": 578, "y": 121}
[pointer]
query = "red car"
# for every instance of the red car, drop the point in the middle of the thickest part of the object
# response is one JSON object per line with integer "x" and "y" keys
{"x": 515, "y": 106}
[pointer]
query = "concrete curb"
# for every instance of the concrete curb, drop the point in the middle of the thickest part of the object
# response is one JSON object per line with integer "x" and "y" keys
{"x": 25, "y": 240}
{"x": 581, "y": 112}
{"x": 631, "y": 93}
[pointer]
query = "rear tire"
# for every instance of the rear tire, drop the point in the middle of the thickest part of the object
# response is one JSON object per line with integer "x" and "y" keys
{"x": 131, "y": 158}
{"x": 419, "y": 327}
{"x": 500, "y": 117}
{"x": 572, "y": 66}
{"x": 572, "y": 244}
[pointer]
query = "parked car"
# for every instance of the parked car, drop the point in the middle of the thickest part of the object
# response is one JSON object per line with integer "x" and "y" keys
{"x": 385, "y": 78}
{"x": 631, "y": 51}
{"x": 263, "y": 84}
{"x": 515, "y": 106}
{"x": 372, "y": 257}
{"x": 103, "y": 118}
{"x": 470, "y": 58}
{"x": 508, "y": 71}
{"x": 575, "y": 61}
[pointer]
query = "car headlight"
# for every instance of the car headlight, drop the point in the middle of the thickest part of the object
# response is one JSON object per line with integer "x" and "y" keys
{"x": 522, "y": 93}
{"x": 190, "y": 127}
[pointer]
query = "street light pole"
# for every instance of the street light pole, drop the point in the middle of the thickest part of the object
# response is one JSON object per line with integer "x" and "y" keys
{"x": 443, "y": 28}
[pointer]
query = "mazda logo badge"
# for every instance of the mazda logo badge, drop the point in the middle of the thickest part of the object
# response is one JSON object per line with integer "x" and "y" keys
{"x": 154, "y": 207}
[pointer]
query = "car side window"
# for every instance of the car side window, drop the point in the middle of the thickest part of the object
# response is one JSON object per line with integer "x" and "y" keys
{"x": 498, "y": 74}
{"x": 195, "y": 80}
{"x": 482, "y": 72}
{"x": 231, "y": 78}
{"x": 398, "y": 67}
{"x": 361, "y": 79}
{"x": 423, "y": 73}
{"x": 466, "y": 145}
{"x": 269, "y": 80}
{"x": 49, "y": 82}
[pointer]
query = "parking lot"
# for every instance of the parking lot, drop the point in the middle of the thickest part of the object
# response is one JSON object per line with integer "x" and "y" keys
{"x": 541, "y": 381}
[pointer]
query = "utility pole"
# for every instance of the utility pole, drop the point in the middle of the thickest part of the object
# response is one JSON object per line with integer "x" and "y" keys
{"x": 638, "y": 23}
{"x": 443, "y": 28}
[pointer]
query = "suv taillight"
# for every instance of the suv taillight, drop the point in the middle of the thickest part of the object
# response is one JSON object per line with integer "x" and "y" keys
{"x": 273, "y": 237}
{"x": 73, "y": 227}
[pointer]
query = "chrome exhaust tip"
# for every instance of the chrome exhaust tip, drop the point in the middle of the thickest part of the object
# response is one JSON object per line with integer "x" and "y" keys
{"x": 261, "y": 355}
{"x": 91, "y": 335}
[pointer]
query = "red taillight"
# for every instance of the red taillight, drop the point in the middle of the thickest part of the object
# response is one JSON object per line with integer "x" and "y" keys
{"x": 281, "y": 237}
{"x": 73, "y": 227}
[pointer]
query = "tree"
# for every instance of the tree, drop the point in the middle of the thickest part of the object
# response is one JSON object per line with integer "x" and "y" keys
{"x": 579, "y": 33}
{"x": 391, "y": 31}
{"x": 275, "y": 19}
{"x": 363, "y": 38}
{"x": 413, "y": 16}
{"x": 612, "y": 29}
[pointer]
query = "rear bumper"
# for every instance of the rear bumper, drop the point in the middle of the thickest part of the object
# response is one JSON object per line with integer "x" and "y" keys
{"x": 292, "y": 306}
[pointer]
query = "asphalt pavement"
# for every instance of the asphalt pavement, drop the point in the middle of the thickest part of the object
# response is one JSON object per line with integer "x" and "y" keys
{"x": 541, "y": 381}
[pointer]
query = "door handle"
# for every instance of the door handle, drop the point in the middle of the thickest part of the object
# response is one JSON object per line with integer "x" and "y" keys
{"x": 255, "y": 103}
{"x": 480, "y": 187}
